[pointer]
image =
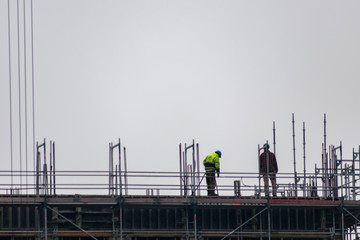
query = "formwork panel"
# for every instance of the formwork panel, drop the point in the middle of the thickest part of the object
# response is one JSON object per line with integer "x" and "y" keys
{"x": 1, "y": 217}
{"x": 157, "y": 218}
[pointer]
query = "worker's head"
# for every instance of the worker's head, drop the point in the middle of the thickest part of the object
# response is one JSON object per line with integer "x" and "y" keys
{"x": 266, "y": 146}
{"x": 218, "y": 153}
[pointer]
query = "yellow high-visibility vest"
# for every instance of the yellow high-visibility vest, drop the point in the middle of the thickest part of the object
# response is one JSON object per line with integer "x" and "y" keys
{"x": 212, "y": 162}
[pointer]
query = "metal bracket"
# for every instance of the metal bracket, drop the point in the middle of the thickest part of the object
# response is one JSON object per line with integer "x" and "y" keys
{"x": 338, "y": 162}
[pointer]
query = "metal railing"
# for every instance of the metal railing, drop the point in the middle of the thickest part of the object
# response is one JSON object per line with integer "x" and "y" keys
{"x": 167, "y": 183}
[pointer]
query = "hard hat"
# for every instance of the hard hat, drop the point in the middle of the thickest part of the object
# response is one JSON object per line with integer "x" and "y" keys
{"x": 266, "y": 146}
{"x": 218, "y": 153}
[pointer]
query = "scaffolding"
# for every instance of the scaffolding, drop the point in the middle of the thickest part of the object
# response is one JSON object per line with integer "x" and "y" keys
{"x": 123, "y": 204}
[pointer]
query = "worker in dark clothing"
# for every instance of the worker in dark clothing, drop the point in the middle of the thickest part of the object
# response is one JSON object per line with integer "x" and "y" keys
{"x": 273, "y": 169}
{"x": 212, "y": 165}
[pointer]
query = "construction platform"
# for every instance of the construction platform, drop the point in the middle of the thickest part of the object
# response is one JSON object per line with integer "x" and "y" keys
{"x": 174, "y": 217}
{"x": 45, "y": 203}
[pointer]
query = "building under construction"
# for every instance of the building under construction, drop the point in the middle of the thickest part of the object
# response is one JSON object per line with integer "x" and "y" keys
{"x": 322, "y": 204}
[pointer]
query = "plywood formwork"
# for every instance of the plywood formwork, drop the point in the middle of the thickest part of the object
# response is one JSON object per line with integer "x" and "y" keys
{"x": 174, "y": 217}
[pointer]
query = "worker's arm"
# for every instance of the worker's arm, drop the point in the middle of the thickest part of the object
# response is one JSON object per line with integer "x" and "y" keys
{"x": 275, "y": 164}
{"x": 217, "y": 165}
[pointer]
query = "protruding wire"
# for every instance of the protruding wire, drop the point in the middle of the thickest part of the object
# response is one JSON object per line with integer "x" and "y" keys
{"x": 19, "y": 78}
{"x": 26, "y": 121}
{"x": 10, "y": 89}
{"x": 33, "y": 85}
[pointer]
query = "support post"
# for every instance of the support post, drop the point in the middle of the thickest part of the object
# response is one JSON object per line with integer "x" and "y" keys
{"x": 259, "y": 149}
{"x": 304, "y": 160}
{"x": 268, "y": 196}
{"x": 295, "y": 174}
{"x": 54, "y": 169}
{"x": 185, "y": 167}
{"x": 45, "y": 192}
{"x": 198, "y": 168}
{"x": 184, "y": 173}
{"x": 342, "y": 219}
{"x": 274, "y": 138}
{"x": 45, "y": 180}
{"x": 353, "y": 177}
{"x": 110, "y": 169}
{"x": 116, "y": 180}
{"x": 37, "y": 171}
{"x": 333, "y": 172}
{"x": 38, "y": 165}
{"x": 125, "y": 172}
{"x": 342, "y": 173}
{"x": 325, "y": 164}
{"x": 180, "y": 163}
{"x": 120, "y": 193}
{"x": 194, "y": 189}
{"x": 50, "y": 170}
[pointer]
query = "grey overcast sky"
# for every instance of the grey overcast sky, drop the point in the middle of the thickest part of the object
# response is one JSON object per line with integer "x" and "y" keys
{"x": 160, "y": 73}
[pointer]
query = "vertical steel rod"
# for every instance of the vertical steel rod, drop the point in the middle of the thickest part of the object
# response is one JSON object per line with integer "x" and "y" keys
{"x": 110, "y": 168}
{"x": 125, "y": 173}
{"x": 341, "y": 174}
{"x": 268, "y": 196}
{"x": 274, "y": 138}
{"x": 259, "y": 169}
{"x": 32, "y": 80}
{"x": 332, "y": 168}
{"x": 19, "y": 78}
{"x": 184, "y": 172}
{"x": 50, "y": 170}
{"x": 180, "y": 163}
{"x": 295, "y": 174}
{"x": 358, "y": 170}
{"x": 54, "y": 170}
{"x": 333, "y": 171}
{"x": 25, "y": 98}
{"x": 120, "y": 193}
{"x": 194, "y": 166}
{"x": 116, "y": 179}
{"x": 353, "y": 176}
{"x": 37, "y": 169}
{"x": 186, "y": 175}
{"x": 45, "y": 166}
{"x": 304, "y": 160}
{"x": 45, "y": 191}
{"x": 194, "y": 189}
{"x": 325, "y": 163}
{"x": 10, "y": 101}
{"x": 198, "y": 168}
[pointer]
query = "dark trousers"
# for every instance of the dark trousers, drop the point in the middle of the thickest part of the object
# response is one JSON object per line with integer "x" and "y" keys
{"x": 211, "y": 183}
{"x": 273, "y": 183}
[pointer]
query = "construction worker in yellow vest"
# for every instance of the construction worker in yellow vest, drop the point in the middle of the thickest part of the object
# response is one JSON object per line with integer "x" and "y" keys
{"x": 212, "y": 165}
